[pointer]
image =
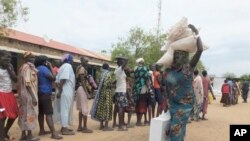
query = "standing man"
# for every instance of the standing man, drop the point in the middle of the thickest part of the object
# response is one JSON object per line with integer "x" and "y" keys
{"x": 157, "y": 88}
{"x": 46, "y": 76}
{"x": 245, "y": 89}
{"x": 121, "y": 101}
{"x": 206, "y": 87}
{"x": 81, "y": 95}
{"x": 66, "y": 80}
{"x": 27, "y": 82}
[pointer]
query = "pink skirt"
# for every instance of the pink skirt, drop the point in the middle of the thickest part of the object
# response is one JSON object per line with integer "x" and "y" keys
{"x": 82, "y": 101}
{"x": 9, "y": 103}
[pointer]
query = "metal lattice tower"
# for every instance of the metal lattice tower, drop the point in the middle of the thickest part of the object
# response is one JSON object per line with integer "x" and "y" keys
{"x": 159, "y": 19}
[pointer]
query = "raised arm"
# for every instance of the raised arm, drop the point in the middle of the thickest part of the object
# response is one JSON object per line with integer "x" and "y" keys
{"x": 198, "y": 53}
{"x": 51, "y": 76}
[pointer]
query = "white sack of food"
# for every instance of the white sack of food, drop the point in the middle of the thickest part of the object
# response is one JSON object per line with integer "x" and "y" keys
{"x": 187, "y": 44}
{"x": 188, "y": 32}
{"x": 167, "y": 58}
{"x": 165, "y": 46}
{"x": 176, "y": 31}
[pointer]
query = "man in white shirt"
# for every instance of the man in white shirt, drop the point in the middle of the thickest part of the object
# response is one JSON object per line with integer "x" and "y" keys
{"x": 121, "y": 101}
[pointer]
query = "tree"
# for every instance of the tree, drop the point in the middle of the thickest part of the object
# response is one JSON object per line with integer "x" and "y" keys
{"x": 10, "y": 12}
{"x": 245, "y": 77}
{"x": 229, "y": 75}
{"x": 140, "y": 43}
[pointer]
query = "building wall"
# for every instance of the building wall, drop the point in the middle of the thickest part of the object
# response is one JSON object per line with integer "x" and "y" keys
{"x": 17, "y": 57}
{"x": 15, "y": 44}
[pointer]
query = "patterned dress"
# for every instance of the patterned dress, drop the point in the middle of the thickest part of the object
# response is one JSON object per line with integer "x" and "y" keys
{"x": 141, "y": 78}
{"x": 181, "y": 97}
{"x": 198, "y": 91}
{"x": 27, "y": 111}
{"x": 102, "y": 106}
{"x": 140, "y": 89}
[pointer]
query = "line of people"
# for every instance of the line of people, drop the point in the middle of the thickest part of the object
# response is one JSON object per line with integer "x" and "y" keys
{"x": 202, "y": 87}
{"x": 231, "y": 90}
{"x": 37, "y": 78}
{"x": 136, "y": 90}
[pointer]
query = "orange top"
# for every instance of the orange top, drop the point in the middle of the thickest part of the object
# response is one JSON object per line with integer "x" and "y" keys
{"x": 156, "y": 84}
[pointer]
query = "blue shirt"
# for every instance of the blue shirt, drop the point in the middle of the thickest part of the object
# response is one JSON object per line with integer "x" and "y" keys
{"x": 44, "y": 84}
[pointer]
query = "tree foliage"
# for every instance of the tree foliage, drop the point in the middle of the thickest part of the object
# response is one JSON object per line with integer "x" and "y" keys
{"x": 229, "y": 75}
{"x": 245, "y": 77}
{"x": 141, "y": 44}
{"x": 10, "y": 12}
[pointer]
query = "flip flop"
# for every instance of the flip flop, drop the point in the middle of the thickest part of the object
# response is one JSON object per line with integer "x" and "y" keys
{"x": 32, "y": 139}
{"x": 57, "y": 137}
{"x": 87, "y": 131}
{"x": 68, "y": 133}
{"x": 107, "y": 129}
{"x": 204, "y": 119}
{"x": 44, "y": 133}
{"x": 123, "y": 129}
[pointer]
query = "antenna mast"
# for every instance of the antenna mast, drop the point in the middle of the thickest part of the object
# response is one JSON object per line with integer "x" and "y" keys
{"x": 159, "y": 19}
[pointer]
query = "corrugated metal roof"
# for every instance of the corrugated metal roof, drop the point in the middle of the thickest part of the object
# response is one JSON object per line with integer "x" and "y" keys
{"x": 21, "y": 36}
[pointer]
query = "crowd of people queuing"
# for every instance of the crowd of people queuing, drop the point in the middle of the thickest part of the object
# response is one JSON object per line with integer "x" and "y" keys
{"x": 47, "y": 92}
{"x": 231, "y": 90}
{"x": 178, "y": 89}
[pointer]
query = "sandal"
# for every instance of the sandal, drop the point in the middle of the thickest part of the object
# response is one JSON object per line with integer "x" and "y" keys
{"x": 57, "y": 137}
{"x": 123, "y": 129}
{"x": 67, "y": 129}
{"x": 67, "y": 132}
{"x": 86, "y": 130}
{"x": 107, "y": 129}
{"x": 32, "y": 139}
{"x": 44, "y": 133}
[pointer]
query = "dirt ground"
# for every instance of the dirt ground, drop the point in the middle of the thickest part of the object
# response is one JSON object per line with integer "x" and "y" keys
{"x": 216, "y": 128}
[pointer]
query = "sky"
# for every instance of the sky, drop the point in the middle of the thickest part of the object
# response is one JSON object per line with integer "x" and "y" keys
{"x": 97, "y": 24}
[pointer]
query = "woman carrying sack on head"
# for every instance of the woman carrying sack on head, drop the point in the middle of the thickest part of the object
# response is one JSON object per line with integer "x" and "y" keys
{"x": 180, "y": 90}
